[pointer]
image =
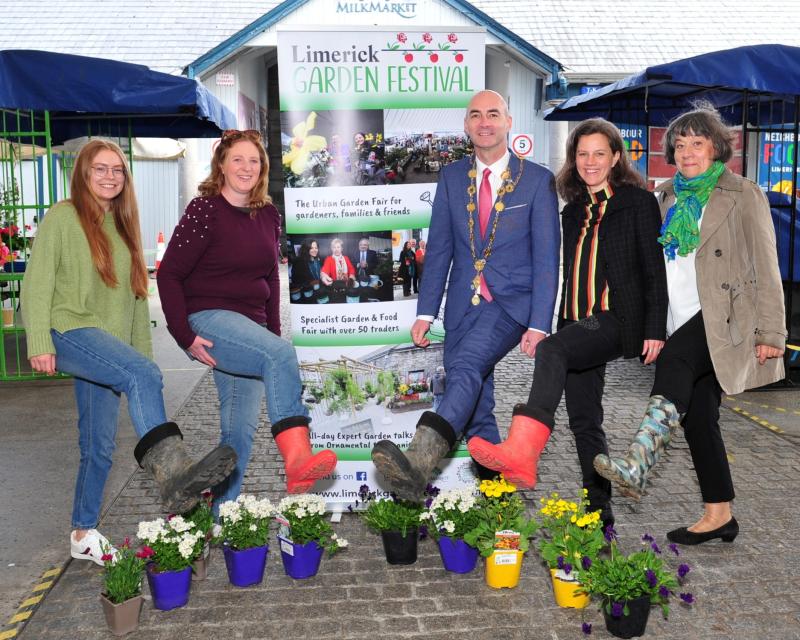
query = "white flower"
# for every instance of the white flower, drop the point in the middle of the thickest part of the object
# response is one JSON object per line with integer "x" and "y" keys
{"x": 150, "y": 531}
{"x": 253, "y": 527}
{"x": 449, "y": 526}
{"x": 177, "y": 523}
{"x": 186, "y": 547}
{"x": 300, "y": 512}
{"x": 340, "y": 542}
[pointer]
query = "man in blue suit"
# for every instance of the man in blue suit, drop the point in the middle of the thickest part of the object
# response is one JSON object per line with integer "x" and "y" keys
{"x": 495, "y": 229}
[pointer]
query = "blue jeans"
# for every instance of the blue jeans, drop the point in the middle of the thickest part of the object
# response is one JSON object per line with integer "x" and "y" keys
{"x": 104, "y": 367}
{"x": 251, "y": 361}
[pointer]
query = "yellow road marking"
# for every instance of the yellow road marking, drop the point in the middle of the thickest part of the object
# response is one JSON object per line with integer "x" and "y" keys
{"x": 22, "y": 615}
{"x": 758, "y": 420}
{"x": 44, "y": 586}
{"x": 5, "y": 635}
{"x": 31, "y": 601}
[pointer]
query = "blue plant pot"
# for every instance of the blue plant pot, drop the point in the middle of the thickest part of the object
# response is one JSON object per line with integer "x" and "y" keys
{"x": 170, "y": 589}
{"x": 245, "y": 567}
{"x": 14, "y": 266}
{"x": 301, "y": 561}
{"x": 457, "y": 555}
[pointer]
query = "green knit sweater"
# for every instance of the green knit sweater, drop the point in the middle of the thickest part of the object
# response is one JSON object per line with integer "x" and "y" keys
{"x": 62, "y": 290}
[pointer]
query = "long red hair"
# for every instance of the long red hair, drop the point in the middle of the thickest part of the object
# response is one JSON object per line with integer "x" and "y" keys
{"x": 126, "y": 218}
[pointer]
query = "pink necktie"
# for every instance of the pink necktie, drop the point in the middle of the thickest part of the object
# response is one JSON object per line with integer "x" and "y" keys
{"x": 484, "y": 210}
{"x": 484, "y": 202}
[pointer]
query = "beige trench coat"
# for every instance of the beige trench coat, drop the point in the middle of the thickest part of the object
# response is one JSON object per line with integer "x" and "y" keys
{"x": 738, "y": 281}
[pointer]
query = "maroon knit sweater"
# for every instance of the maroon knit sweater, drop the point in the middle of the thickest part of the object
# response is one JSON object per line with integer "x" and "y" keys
{"x": 221, "y": 258}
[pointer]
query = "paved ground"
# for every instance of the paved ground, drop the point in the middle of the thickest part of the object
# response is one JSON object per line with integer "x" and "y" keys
{"x": 745, "y": 590}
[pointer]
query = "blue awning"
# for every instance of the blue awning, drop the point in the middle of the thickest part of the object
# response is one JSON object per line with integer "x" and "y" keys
{"x": 769, "y": 74}
{"x": 93, "y": 96}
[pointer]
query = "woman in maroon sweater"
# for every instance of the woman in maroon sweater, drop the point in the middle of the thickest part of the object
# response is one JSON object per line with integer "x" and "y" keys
{"x": 219, "y": 290}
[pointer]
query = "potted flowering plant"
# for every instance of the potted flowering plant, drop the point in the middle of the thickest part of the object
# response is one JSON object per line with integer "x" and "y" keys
{"x": 245, "y": 531}
{"x": 628, "y": 585}
{"x": 304, "y": 534}
{"x": 173, "y": 545}
{"x": 398, "y": 523}
{"x": 122, "y": 582}
{"x": 202, "y": 520}
{"x": 572, "y": 539}
{"x": 502, "y": 533}
{"x": 448, "y": 517}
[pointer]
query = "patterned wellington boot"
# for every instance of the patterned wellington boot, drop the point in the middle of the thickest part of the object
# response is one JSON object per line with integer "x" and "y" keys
{"x": 629, "y": 473}
{"x": 408, "y": 472}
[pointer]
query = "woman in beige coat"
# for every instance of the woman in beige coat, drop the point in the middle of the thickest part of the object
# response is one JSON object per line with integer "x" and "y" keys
{"x": 725, "y": 323}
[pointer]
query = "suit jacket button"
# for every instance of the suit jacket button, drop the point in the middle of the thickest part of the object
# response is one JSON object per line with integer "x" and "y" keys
{"x": 718, "y": 253}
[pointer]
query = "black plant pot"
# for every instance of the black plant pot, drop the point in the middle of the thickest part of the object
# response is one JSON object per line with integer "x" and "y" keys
{"x": 634, "y": 624}
{"x": 400, "y": 549}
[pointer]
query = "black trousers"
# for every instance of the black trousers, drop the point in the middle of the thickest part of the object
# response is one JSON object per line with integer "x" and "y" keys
{"x": 685, "y": 376}
{"x": 573, "y": 361}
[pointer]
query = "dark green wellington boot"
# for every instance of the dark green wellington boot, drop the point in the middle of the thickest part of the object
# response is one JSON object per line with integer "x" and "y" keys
{"x": 629, "y": 473}
{"x": 408, "y": 472}
{"x": 180, "y": 479}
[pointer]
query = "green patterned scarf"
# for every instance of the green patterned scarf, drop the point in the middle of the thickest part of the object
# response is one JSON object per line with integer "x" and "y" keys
{"x": 680, "y": 232}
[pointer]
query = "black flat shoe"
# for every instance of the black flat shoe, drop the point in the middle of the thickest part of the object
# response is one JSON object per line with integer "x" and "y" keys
{"x": 727, "y": 532}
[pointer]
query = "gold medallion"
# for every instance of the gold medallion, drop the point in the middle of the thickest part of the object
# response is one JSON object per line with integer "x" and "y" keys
{"x": 476, "y": 300}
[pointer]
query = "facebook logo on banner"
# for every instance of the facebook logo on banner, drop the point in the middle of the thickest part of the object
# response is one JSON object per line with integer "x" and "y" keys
{"x": 361, "y": 476}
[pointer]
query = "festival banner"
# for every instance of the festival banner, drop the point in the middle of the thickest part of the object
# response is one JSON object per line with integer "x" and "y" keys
{"x": 368, "y": 119}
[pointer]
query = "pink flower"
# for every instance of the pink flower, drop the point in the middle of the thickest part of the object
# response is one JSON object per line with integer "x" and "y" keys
{"x": 127, "y": 542}
{"x": 145, "y": 552}
{"x": 427, "y": 37}
{"x": 453, "y": 38}
{"x": 107, "y": 557}
{"x": 401, "y": 37}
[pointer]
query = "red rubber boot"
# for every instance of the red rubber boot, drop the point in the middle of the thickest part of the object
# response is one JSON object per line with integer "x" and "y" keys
{"x": 303, "y": 468}
{"x": 518, "y": 456}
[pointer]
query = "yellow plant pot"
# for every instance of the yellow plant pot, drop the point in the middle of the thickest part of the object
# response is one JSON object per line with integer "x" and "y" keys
{"x": 503, "y": 569}
{"x": 564, "y": 591}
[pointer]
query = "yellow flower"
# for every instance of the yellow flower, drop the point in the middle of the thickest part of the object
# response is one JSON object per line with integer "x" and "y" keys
{"x": 303, "y": 144}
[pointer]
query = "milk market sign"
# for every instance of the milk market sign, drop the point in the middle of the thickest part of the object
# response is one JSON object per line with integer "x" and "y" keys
{"x": 401, "y": 9}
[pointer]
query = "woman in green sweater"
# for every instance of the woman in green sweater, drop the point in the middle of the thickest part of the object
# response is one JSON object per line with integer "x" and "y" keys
{"x": 85, "y": 304}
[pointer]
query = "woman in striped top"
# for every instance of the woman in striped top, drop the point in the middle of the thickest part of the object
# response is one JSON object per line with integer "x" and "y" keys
{"x": 613, "y": 303}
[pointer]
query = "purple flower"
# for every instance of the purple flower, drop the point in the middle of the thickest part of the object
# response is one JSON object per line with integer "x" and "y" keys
{"x": 428, "y": 502}
{"x": 648, "y": 538}
{"x": 586, "y": 562}
{"x": 567, "y": 568}
{"x": 431, "y": 490}
{"x": 651, "y": 577}
{"x": 363, "y": 491}
{"x": 560, "y": 562}
{"x": 655, "y": 547}
{"x": 586, "y": 628}
{"x": 683, "y": 569}
{"x": 674, "y": 548}
{"x": 423, "y": 532}
{"x": 663, "y": 591}
{"x": 617, "y": 609}
{"x": 610, "y": 533}
{"x": 350, "y": 508}
{"x": 688, "y": 598}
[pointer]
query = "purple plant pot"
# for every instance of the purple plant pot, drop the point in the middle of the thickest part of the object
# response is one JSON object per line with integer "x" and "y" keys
{"x": 301, "y": 561}
{"x": 457, "y": 555}
{"x": 245, "y": 567}
{"x": 170, "y": 589}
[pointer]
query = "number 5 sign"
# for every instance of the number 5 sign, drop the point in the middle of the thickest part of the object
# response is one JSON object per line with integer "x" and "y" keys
{"x": 522, "y": 144}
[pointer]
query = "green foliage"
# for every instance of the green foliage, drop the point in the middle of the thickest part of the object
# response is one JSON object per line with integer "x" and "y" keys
{"x": 388, "y": 514}
{"x": 123, "y": 577}
{"x": 245, "y": 521}
{"x": 621, "y": 578}
{"x": 341, "y": 390}
{"x": 569, "y": 532}
{"x": 499, "y": 509}
{"x": 201, "y": 516}
{"x": 305, "y": 515}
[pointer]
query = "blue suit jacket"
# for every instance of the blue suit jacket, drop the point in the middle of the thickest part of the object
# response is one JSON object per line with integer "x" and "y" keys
{"x": 522, "y": 272}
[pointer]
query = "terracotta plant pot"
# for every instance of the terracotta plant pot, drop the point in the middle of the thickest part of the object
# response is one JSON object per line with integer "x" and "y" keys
{"x": 122, "y": 618}
{"x": 200, "y": 566}
{"x": 634, "y": 624}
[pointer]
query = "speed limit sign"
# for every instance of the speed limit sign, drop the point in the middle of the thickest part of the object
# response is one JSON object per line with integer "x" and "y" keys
{"x": 522, "y": 144}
